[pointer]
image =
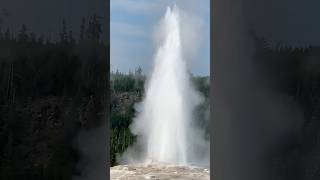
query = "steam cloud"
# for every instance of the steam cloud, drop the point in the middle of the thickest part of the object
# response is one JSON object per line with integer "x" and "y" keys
{"x": 163, "y": 122}
{"x": 92, "y": 147}
{"x": 251, "y": 118}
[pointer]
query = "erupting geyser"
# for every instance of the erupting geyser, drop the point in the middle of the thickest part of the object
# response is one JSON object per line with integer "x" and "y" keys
{"x": 165, "y": 101}
{"x": 163, "y": 121}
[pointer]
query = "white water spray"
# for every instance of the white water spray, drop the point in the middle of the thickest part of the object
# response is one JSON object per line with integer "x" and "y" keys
{"x": 163, "y": 122}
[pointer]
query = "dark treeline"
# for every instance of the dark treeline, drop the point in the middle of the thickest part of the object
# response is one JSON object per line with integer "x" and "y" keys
{"x": 90, "y": 29}
{"x": 295, "y": 72}
{"x": 127, "y": 90}
{"x": 49, "y": 90}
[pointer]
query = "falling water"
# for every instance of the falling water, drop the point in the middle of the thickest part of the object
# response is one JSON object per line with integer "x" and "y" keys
{"x": 163, "y": 120}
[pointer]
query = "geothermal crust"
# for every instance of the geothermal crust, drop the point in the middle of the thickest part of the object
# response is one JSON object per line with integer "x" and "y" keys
{"x": 159, "y": 172}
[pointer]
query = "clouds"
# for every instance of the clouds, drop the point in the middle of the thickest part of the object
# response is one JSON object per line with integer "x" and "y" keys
{"x": 128, "y": 30}
{"x": 128, "y": 55}
{"x": 135, "y": 6}
{"x": 133, "y": 24}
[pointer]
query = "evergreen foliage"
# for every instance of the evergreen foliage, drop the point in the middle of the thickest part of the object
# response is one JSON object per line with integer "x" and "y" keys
{"x": 126, "y": 91}
{"x": 48, "y": 92}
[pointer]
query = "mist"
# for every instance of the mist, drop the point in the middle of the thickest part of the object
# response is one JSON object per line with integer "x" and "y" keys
{"x": 164, "y": 122}
{"x": 92, "y": 148}
{"x": 251, "y": 119}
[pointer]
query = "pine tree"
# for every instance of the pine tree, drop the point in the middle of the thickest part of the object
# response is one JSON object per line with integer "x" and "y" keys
{"x": 48, "y": 41}
{"x": 94, "y": 28}
{"x": 40, "y": 39}
{"x": 63, "y": 33}
{"x": 82, "y": 29}
{"x": 33, "y": 37}
{"x": 7, "y": 35}
{"x": 71, "y": 39}
{"x": 23, "y": 36}
{"x": 1, "y": 34}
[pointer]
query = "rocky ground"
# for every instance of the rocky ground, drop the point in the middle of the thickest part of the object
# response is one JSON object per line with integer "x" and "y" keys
{"x": 158, "y": 172}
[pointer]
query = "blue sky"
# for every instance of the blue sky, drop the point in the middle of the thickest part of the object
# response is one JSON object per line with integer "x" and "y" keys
{"x": 132, "y": 25}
